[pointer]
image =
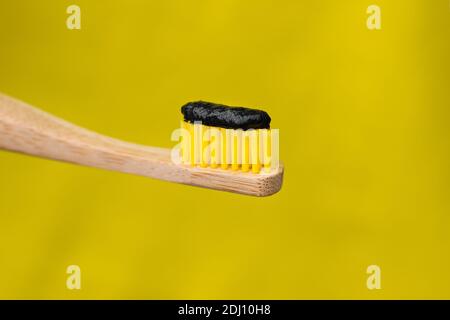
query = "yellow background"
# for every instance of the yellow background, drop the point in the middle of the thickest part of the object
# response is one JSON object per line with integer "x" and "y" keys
{"x": 364, "y": 128}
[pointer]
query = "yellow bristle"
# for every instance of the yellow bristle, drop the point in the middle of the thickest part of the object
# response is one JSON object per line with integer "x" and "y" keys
{"x": 224, "y": 150}
{"x": 198, "y": 143}
{"x": 205, "y": 142}
{"x": 268, "y": 164}
{"x": 235, "y": 149}
{"x": 190, "y": 127}
{"x": 266, "y": 151}
{"x": 186, "y": 142}
{"x": 214, "y": 146}
{"x": 245, "y": 143}
{"x": 254, "y": 151}
{"x": 183, "y": 142}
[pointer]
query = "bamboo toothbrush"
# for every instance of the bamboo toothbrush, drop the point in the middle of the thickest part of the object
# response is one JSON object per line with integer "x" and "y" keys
{"x": 29, "y": 130}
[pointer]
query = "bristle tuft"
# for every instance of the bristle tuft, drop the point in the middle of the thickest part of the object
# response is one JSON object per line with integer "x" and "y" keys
{"x": 235, "y": 149}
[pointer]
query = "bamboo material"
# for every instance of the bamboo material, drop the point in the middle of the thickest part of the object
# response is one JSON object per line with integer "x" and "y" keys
{"x": 29, "y": 130}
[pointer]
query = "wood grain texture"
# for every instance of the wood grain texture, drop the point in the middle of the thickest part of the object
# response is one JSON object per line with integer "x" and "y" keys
{"x": 29, "y": 130}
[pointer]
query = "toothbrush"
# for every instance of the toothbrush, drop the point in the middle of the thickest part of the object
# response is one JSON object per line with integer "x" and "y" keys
{"x": 26, "y": 129}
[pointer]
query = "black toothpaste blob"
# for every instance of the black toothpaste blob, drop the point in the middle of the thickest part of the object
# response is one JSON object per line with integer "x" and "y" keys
{"x": 219, "y": 115}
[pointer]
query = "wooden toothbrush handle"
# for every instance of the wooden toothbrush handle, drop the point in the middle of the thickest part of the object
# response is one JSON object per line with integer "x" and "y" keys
{"x": 28, "y": 130}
